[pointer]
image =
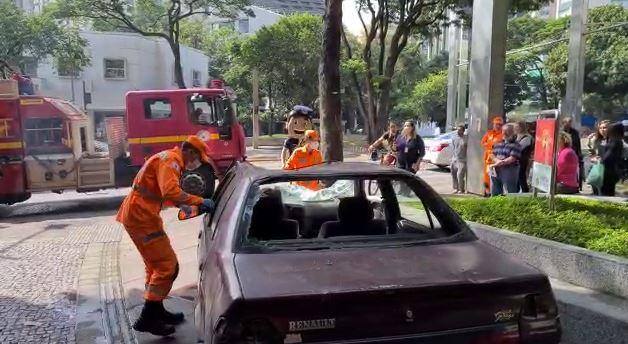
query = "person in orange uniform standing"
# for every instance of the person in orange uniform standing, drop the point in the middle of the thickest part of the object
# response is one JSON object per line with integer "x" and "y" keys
{"x": 305, "y": 156}
{"x": 157, "y": 185}
{"x": 490, "y": 138}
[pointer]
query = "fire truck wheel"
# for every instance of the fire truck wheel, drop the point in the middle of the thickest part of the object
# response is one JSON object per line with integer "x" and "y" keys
{"x": 200, "y": 182}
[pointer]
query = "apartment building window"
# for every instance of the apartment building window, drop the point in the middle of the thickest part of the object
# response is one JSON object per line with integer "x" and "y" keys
{"x": 243, "y": 25}
{"x": 196, "y": 78}
{"x": 115, "y": 68}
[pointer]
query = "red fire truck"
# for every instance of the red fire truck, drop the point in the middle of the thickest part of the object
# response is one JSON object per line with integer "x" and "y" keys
{"x": 46, "y": 144}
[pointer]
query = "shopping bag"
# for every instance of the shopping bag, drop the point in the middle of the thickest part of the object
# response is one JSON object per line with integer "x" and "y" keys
{"x": 596, "y": 175}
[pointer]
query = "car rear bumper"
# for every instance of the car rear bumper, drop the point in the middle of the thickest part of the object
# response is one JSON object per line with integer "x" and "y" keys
{"x": 436, "y": 159}
{"x": 501, "y": 333}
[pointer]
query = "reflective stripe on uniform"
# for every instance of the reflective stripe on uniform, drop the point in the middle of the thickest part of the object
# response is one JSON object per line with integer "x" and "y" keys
{"x": 153, "y": 235}
{"x": 145, "y": 193}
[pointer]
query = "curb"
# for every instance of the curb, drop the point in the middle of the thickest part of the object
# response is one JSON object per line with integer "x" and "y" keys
{"x": 598, "y": 271}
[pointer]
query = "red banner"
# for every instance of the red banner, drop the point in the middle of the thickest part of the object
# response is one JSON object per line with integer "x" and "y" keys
{"x": 544, "y": 141}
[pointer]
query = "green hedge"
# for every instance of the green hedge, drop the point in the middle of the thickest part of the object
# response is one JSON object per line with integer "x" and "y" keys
{"x": 599, "y": 226}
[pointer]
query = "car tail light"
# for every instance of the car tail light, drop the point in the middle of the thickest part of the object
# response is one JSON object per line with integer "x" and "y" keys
{"x": 539, "y": 321}
{"x": 439, "y": 147}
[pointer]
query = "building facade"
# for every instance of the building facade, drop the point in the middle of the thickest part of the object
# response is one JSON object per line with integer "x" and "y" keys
{"x": 120, "y": 62}
{"x": 266, "y": 13}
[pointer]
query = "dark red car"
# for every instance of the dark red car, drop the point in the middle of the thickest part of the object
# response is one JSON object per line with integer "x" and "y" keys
{"x": 375, "y": 256}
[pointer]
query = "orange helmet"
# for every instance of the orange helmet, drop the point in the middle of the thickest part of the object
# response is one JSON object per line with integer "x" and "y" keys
{"x": 311, "y": 135}
{"x": 498, "y": 120}
{"x": 200, "y": 146}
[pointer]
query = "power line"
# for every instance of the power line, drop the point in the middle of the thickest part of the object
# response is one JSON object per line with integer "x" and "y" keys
{"x": 514, "y": 51}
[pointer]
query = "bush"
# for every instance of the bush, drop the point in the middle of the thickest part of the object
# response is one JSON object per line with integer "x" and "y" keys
{"x": 599, "y": 226}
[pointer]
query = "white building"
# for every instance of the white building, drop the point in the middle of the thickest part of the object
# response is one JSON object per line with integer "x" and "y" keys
{"x": 120, "y": 62}
{"x": 266, "y": 13}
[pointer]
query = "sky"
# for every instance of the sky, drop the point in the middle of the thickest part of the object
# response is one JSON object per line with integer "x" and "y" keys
{"x": 350, "y": 17}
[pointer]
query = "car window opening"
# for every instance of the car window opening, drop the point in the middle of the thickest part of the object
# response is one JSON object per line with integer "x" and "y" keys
{"x": 344, "y": 213}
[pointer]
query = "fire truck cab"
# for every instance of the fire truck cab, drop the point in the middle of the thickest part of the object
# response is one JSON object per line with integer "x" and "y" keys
{"x": 46, "y": 144}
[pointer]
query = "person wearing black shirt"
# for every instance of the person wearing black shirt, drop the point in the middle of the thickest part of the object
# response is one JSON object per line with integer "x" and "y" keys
{"x": 575, "y": 145}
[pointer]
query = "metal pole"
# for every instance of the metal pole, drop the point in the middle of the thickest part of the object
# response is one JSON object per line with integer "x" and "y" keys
{"x": 453, "y": 72}
{"x": 572, "y": 105}
{"x": 255, "y": 119}
{"x": 486, "y": 78}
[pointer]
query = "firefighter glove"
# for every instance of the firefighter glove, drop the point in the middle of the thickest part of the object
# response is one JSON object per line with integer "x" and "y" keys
{"x": 207, "y": 206}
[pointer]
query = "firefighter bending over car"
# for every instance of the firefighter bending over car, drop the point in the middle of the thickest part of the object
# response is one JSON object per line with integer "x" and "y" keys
{"x": 305, "y": 156}
{"x": 155, "y": 186}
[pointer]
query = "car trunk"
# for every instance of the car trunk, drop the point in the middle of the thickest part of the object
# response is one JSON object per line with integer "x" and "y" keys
{"x": 352, "y": 294}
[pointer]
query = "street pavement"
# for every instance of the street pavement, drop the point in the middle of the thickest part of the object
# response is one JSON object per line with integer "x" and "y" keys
{"x": 70, "y": 274}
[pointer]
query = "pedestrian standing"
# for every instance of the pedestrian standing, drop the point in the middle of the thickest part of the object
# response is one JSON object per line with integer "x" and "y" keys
{"x": 459, "y": 160}
{"x": 410, "y": 148}
{"x": 596, "y": 146}
{"x": 611, "y": 158}
{"x": 491, "y": 137}
{"x": 566, "y": 166}
{"x": 504, "y": 168}
{"x": 526, "y": 143}
{"x": 576, "y": 146}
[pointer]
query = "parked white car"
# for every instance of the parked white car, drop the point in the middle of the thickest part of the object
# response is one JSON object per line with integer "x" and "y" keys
{"x": 438, "y": 150}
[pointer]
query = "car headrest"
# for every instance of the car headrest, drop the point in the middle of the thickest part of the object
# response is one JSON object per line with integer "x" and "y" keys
{"x": 355, "y": 210}
{"x": 269, "y": 207}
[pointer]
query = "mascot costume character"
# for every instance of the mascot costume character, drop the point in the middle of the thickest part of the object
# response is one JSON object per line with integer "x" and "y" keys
{"x": 299, "y": 120}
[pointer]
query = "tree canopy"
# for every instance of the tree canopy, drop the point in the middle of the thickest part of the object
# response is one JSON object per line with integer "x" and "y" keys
{"x": 35, "y": 37}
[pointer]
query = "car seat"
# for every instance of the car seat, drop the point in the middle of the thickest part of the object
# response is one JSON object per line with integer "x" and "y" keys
{"x": 267, "y": 220}
{"x": 355, "y": 217}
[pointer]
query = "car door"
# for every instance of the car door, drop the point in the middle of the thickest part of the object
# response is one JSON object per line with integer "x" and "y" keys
{"x": 206, "y": 244}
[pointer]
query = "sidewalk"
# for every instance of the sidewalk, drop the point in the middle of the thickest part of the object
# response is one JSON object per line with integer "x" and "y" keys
{"x": 183, "y": 236}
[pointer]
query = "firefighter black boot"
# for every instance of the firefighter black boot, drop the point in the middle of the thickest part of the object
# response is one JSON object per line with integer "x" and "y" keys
{"x": 169, "y": 317}
{"x": 151, "y": 321}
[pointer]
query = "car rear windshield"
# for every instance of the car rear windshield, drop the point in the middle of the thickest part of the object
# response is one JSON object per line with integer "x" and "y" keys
{"x": 348, "y": 212}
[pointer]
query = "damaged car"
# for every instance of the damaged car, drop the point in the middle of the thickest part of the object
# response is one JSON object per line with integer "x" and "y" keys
{"x": 374, "y": 256}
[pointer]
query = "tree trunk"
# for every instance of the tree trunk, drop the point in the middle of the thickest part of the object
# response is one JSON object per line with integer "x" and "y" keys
{"x": 329, "y": 83}
{"x": 178, "y": 70}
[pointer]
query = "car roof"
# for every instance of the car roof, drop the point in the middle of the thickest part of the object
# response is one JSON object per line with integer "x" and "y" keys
{"x": 324, "y": 170}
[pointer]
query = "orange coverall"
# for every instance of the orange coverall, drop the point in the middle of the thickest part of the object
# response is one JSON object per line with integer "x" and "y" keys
{"x": 301, "y": 158}
{"x": 490, "y": 138}
{"x": 157, "y": 182}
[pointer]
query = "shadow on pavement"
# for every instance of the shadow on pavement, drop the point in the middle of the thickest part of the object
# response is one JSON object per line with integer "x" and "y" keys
{"x": 5, "y": 222}
{"x": 61, "y": 207}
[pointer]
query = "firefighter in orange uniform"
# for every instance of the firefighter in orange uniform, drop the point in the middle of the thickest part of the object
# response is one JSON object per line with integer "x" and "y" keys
{"x": 157, "y": 183}
{"x": 305, "y": 156}
{"x": 490, "y": 138}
